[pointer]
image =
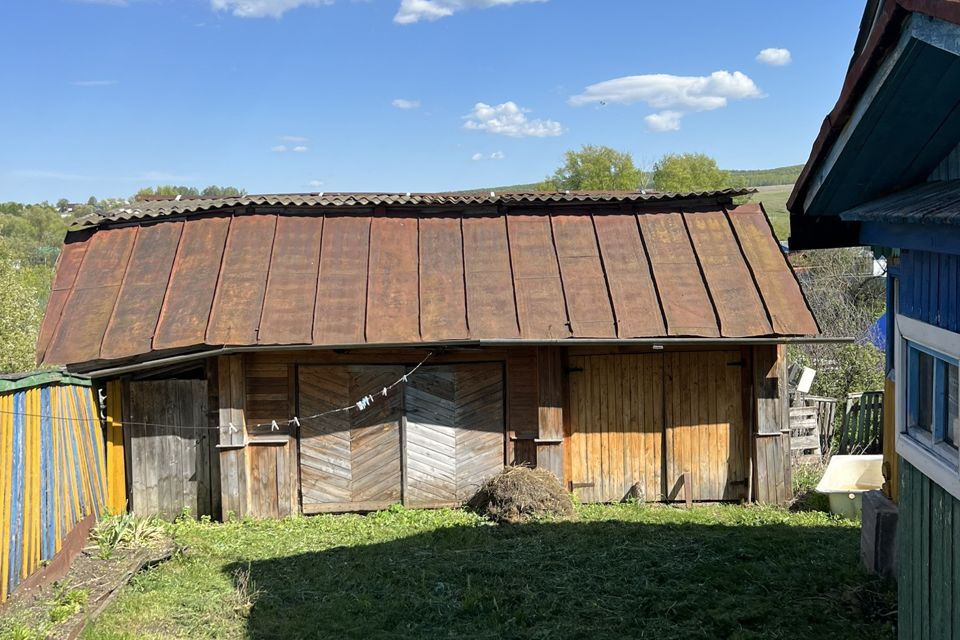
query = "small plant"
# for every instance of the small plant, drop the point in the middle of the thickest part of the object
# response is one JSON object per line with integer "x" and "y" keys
{"x": 125, "y": 530}
{"x": 19, "y": 630}
{"x": 245, "y": 592}
{"x": 66, "y": 603}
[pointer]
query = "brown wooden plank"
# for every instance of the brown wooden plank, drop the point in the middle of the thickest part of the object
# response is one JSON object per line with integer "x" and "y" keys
{"x": 776, "y": 281}
{"x": 342, "y": 287}
{"x": 686, "y": 305}
{"x": 480, "y": 426}
{"x": 93, "y": 297}
{"x": 68, "y": 266}
{"x": 443, "y": 312}
{"x": 393, "y": 297}
{"x": 728, "y": 278}
{"x": 141, "y": 296}
{"x": 186, "y": 307}
{"x": 238, "y": 302}
{"x": 288, "y": 305}
{"x": 584, "y": 283}
{"x": 491, "y": 307}
{"x": 541, "y": 309}
{"x": 550, "y": 393}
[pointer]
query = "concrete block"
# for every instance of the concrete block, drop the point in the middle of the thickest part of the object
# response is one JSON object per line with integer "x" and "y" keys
{"x": 878, "y": 535}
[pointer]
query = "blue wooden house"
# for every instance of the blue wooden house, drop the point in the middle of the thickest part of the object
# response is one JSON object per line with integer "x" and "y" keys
{"x": 885, "y": 172}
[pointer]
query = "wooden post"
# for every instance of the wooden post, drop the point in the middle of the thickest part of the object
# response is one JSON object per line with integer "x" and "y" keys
{"x": 116, "y": 467}
{"x": 771, "y": 460}
{"x": 550, "y": 412}
{"x": 232, "y": 446}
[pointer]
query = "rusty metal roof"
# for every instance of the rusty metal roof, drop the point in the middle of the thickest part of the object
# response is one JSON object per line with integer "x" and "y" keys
{"x": 332, "y": 277}
{"x": 166, "y": 207}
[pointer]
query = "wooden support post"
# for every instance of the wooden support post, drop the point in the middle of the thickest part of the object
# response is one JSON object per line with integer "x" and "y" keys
{"x": 116, "y": 467}
{"x": 771, "y": 452}
{"x": 687, "y": 489}
{"x": 232, "y": 446}
{"x": 891, "y": 467}
{"x": 550, "y": 403}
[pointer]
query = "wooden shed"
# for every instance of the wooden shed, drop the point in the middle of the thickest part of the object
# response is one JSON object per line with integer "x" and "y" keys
{"x": 267, "y": 355}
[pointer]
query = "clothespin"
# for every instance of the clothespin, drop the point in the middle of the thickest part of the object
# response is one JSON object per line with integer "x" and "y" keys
{"x": 404, "y": 378}
{"x": 295, "y": 421}
{"x": 274, "y": 426}
{"x": 384, "y": 392}
{"x": 233, "y": 429}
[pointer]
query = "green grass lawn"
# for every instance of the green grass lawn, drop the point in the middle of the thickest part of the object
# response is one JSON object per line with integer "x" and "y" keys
{"x": 618, "y": 571}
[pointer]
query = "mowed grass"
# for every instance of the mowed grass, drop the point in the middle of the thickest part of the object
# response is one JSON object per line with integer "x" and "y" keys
{"x": 618, "y": 571}
{"x": 774, "y": 201}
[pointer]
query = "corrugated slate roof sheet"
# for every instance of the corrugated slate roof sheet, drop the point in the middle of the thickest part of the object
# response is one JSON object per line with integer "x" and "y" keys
{"x": 330, "y": 277}
{"x": 928, "y": 203}
{"x": 165, "y": 207}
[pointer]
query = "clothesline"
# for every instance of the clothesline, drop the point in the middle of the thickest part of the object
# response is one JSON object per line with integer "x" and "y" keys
{"x": 360, "y": 405}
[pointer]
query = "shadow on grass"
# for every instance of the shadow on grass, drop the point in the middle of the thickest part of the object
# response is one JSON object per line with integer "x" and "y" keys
{"x": 608, "y": 579}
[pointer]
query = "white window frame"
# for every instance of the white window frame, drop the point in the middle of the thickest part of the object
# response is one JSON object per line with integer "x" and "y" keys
{"x": 937, "y": 461}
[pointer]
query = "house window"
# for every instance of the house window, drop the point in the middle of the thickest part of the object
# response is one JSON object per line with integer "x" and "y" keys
{"x": 927, "y": 360}
{"x": 932, "y": 395}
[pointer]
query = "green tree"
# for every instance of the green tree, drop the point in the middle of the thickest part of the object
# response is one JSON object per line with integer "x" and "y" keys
{"x": 685, "y": 172}
{"x": 595, "y": 168}
{"x": 20, "y": 314}
{"x": 214, "y": 191}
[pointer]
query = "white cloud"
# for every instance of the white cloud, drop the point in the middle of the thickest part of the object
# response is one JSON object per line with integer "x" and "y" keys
{"x": 316, "y": 183}
{"x": 509, "y": 119}
{"x": 110, "y": 3}
{"x": 93, "y": 83}
{"x": 294, "y": 138}
{"x": 400, "y": 103}
{"x": 263, "y": 8}
{"x": 300, "y": 149}
{"x": 411, "y": 11}
{"x": 672, "y": 95}
{"x": 280, "y": 148}
{"x": 664, "y": 121}
{"x": 774, "y": 57}
{"x": 496, "y": 155}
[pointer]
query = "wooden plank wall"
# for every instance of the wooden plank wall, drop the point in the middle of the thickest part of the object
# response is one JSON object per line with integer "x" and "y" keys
{"x": 928, "y": 541}
{"x": 52, "y": 476}
{"x": 773, "y": 483}
{"x": 169, "y": 456}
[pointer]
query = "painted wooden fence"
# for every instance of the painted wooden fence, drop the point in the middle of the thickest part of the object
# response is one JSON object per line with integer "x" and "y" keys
{"x": 52, "y": 474}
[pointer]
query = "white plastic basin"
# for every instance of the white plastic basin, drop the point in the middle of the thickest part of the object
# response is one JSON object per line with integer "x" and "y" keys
{"x": 847, "y": 478}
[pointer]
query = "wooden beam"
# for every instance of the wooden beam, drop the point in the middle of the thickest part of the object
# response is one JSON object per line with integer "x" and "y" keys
{"x": 233, "y": 455}
{"x": 550, "y": 410}
{"x": 116, "y": 467}
{"x": 771, "y": 433}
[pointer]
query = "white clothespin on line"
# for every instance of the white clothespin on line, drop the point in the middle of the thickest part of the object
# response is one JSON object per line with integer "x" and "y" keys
{"x": 232, "y": 428}
{"x": 295, "y": 422}
{"x": 274, "y": 426}
{"x": 384, "y": 392}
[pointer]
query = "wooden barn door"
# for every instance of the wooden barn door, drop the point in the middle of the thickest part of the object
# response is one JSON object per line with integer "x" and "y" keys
{"x": 616, "y": 427}
{"x": 169, "y": 466}
{"x": 453, "y": 432}
{"x": 705, "y": 432}
{"x": 349, "y": 461}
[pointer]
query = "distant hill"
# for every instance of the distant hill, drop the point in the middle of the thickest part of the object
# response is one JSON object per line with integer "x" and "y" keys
{"x": 767, "y": 177}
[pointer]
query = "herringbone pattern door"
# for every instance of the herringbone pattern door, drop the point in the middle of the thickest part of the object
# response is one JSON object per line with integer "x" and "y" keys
{"x": 349, "y": 461}
{"x": 453, "y": 434}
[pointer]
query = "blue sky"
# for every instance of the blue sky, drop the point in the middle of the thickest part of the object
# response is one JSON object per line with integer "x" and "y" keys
{"x": 101, "y": 97}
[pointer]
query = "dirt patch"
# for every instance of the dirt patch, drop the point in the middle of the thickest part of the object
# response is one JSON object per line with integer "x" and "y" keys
{"x": 520, "y": 494}
{"x": 61, "y": 609}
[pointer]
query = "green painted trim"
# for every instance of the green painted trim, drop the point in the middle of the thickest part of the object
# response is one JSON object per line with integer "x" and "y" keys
{"x": 42, "y": 378}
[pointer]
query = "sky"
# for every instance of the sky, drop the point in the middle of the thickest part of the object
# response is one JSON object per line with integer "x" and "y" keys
{"x": 102, "y": 97}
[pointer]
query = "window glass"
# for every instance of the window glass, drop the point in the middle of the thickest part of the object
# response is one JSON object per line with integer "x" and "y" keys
{"x": 953, "y": 402}
{"x": 924, "y": 383}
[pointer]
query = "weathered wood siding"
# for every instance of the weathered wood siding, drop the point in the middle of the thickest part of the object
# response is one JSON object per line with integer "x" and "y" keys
{"x": 930, "y": 288}
{"x": 928, "y": 541}
{"x": 169, "y": 458}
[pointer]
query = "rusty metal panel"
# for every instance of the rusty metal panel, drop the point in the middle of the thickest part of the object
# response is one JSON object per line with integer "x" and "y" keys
{"x": 443, "y": 312}
{"x": 588, "y": 301}
{"x": 683, "y": 295}
{"x": 138, "y": 306}
{"x": 193, "y": 281}
{"x": 68, "y": 265}
{"x": 540, "y": 302}
{"x": 237, "y": 305}
{"x": 731, "y": 286}
{"x": 631, "y": 285}
{"x": 93, "y": 297}
{"x": 491, "y": 308}
{"x": 342, "y": 286}
{"x": 288, "y": 304}
{"x": 778, "y": 285}
{"x": 393, "y": 296}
